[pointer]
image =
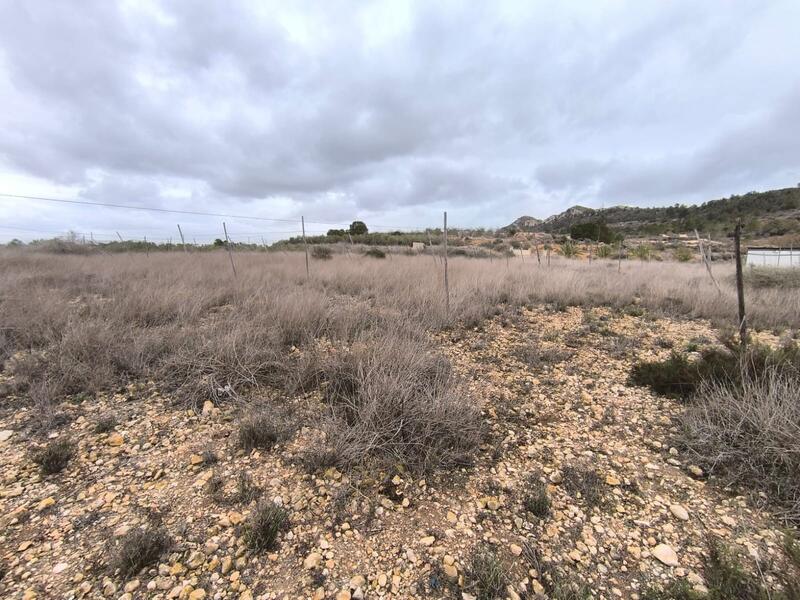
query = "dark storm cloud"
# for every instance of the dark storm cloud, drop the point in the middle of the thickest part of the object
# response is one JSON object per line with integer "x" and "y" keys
{"x": 394, "y": 110}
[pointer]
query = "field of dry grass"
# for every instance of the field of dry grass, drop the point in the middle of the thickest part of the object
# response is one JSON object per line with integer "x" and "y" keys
{"x": 348, "y": 393}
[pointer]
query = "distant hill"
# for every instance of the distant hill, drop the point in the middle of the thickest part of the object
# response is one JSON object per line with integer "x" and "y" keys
{"x": 525, "y": 224}
{"x": 764, "y": 214}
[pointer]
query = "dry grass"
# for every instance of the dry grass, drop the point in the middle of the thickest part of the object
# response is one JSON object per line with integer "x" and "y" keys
{"x": 389, "y": 398}
{"x": 358, "y": 331}
{"x": 749, "y": 434}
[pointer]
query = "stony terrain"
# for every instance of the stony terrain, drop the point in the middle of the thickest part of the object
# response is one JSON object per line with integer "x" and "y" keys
{"x": 556, "y": 402}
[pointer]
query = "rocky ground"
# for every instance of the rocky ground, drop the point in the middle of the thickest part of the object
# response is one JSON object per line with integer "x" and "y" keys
{"x": 627, "y": 509}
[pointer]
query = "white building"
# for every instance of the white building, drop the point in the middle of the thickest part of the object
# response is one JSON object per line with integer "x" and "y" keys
{"x": 773, "y": 257}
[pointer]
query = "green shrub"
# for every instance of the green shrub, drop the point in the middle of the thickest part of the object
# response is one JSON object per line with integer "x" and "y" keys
{"x": 678, "y": 377}
{"x": 321, "y": 252}
{"x": 604, "y": 251}
{"x": 683, "y": 254}
{"x": 569, "y": 249}
{"x": 643, "y": 251}
{"x": 375, "y": 253}
{"x": 264, "y": 525}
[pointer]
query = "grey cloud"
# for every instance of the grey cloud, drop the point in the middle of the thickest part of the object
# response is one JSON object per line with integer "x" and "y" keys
{"x": 339, "y": 108}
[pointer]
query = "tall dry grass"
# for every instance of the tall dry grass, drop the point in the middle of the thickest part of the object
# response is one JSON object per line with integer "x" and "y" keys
{"x": 76, "y": 324}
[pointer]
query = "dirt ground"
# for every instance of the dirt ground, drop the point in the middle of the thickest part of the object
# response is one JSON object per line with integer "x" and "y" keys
{"x": 556, "y": 402}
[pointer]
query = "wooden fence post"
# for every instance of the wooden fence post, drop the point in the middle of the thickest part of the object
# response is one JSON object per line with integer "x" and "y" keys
{"x": 706, "y": 261}
{"x": 446, "y": 281}
{"x": 228, "y": 246}
{"x": 146, "y": 247}
{"x": 538, "y": 257}
{"x": 305, "y": 245}
{"x": 183, "y": 241}
{"x": 619, "y": 256}
{"x": 737, "y": 241}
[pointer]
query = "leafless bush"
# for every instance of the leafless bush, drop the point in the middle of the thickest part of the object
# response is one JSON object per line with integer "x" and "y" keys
{"x": 262, "y": 427}
{"x": 54, "y": 456}
{"x": 390, "y": 399}
{"x": 749, "y": 434}
{"x": 138, "y": 549}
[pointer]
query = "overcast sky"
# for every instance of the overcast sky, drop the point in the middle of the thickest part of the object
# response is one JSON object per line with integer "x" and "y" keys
{"x": 389, "y": 112}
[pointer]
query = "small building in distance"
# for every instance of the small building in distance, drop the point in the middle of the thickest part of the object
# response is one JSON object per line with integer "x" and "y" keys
{"x": 766, "y": 256}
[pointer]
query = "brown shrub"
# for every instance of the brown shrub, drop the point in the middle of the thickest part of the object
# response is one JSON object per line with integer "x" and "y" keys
{"x": 390, "y": 399}
{"x": 747, "y": 434}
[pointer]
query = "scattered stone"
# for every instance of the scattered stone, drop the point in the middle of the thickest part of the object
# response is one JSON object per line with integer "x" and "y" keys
{"x": 696, "y": 471}
{"x": 312, "y": 560}
{"x": 679, "y": 512}
{"x": 666, "y": 555}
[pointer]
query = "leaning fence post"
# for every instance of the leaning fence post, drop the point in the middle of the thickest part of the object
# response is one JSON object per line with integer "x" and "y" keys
{"x": 538, "y": 258}
{"x": 228, "y": 246}
{"x": 183, "y": 242}
{"x": 446, "y": 282}
{"x": 706, "y": 261}
{"x": 737, "y": 239}
{"x": 305, "y": 245}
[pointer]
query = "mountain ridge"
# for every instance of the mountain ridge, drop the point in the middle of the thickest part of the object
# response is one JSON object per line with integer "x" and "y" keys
{"x": 772, "y": 212}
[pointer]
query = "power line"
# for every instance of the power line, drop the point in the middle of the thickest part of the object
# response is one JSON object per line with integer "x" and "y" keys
{"x": 185, "y": 212}
{"x": 152, "y": 209}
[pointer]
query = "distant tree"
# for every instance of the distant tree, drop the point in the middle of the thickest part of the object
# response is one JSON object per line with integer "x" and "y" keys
{"x": 336, "y": 233}
{"x": 218, "y": 242}
{"x": 358, "y": 228}
{"x": 597, "y": 231}
{"x": 16, "y": 242}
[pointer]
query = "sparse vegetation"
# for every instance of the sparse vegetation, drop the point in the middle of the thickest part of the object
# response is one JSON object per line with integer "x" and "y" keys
{"x": 321, "y": 252}
{"x": 486, "y": 575}
{"x": 747, "y": 434}
{"x": 54, "y": 456}
{"x": 391, "y": 399}
{"x": 105, "y": 423}
{"x": 584, "y": 482}
{"x": 683, "y": 254}
{"x": 138, "y": 549}
{"x": 261, "y": 428}
{"x": 679, "y": 377}
{"x": 766, "y": 277}
{"x": 375, "y": 253}
{"x": 726, "y": 578}
{"x": 536, "y": 499}
{"x": 264, "y": 525}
